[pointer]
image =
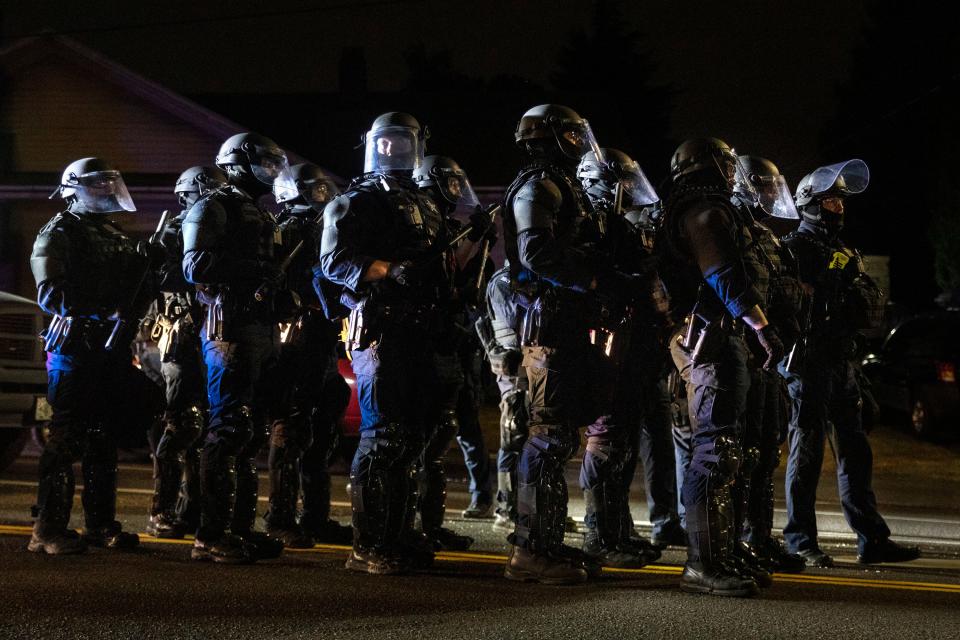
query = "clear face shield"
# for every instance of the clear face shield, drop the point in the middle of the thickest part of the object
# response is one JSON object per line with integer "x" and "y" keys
{"x": 392, "y": 149}
{"x": 267, "y": 164}
{"x": 284, "y": 187}
{"x": 845, "y": 178}
{"x": 576, "y": 139}
{"x": 456, "y": 189}
{"x": 637, "y": 190}
{"x": 316, "y": 193}
{"x": 102, "y": 192}
{"x": 770, "y": 193}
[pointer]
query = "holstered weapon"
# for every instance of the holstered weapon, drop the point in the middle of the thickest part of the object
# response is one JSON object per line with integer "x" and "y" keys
{"x": 358, "y": 329}
{"x": 537, "y": 321}
{"x": 55, "y": 336}
{"x": 215, "y": 324}
{"x": 485, "y": 332}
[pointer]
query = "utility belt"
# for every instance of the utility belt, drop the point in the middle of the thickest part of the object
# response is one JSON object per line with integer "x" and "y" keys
{"x": 69, "y": 335}
{"x": 370, "y": 319}
{"x": 557, "y": 314}
{"x": 173, "y": 333}
{"x": 704, "y": 338}
{"x": 225, "y": 309}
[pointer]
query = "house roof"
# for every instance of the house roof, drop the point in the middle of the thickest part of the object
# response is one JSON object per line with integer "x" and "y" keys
{"x": 27, "y": 52}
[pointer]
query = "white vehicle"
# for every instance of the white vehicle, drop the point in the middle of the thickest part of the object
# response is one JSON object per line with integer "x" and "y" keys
{"x": 23, "y": 374}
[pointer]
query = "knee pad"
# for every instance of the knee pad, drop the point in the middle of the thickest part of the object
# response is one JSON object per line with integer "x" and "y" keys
{"x": 386, "y": 447}
{"x": 513, "y": 420}
{"x": 233, "y": 433}
{"x": 65, "y": 445}
{"x": 718, "y": 460}
{"x": 556, "y": 446}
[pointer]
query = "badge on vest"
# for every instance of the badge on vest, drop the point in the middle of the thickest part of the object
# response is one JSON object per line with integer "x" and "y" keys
{"x": 839, "y": 260}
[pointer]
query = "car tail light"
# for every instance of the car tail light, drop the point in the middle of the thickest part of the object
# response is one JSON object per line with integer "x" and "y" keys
{"x": 946, "y": 372}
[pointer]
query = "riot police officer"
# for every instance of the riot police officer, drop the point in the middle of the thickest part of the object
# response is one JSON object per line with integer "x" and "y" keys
{"x": 762, "y": 191}
{"x": 448, "y": 186}
{"x": 96, "y": 283}
{"x": 822, "y": 380}
{"x": 620, "y": 191}
{"x": 177, "y": 328}
{"x": 705, "y": 243}
{"x": 229, "y": 251}
{"x": 551, "y": 234}
{"x": 310, "y": 391}
{"x": 384, "y": 242}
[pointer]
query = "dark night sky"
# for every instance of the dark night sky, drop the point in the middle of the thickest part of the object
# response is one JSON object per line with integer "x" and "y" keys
{"x": 762, "y": 75}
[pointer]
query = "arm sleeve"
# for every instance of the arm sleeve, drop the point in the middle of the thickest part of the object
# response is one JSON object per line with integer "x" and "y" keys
{"x": 50, "y": 263}
{"x": 205, "y": 257}
{"x": 341, "y": 260}
{"x": 535, "y": 207}
{"x": 717, "y": 256}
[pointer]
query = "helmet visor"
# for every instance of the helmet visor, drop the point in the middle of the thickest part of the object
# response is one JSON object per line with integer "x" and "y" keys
{"x": 392, "y": 149}
{"x": 267, "y": 164}
{"x": 284, "y": 187}
{"x": 637, "y": 190}
{"x": 456, "y": 188}
{"x": 846, "y": 178}
{"x": 775, "y": 198}
{"x": 576, "y": 139}
{"x": 103, "y": 192}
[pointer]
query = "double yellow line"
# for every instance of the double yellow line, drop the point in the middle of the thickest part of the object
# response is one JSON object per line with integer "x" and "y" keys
{"x": 655, "y": 569}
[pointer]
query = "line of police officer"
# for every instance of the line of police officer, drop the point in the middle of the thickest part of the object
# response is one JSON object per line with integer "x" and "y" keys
{"x": 602, "y": 285}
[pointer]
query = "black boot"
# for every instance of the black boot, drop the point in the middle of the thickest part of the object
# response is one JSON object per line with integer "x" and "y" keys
{"x": 444, "y": 539}
{"x": 886, "y": 551}
{"x": 697, "y": 578}
{"x": 778, "y": 559}
{"x": 524, "y": 565}
{"x": 327, "y": 531}
{"x": 227, "y": 549}
{"x": 748, "y": 564}
{"x": 281, "y": 519}
{"x": 54, "y": 501}
{"x": 110, "y": 536}
{"x": 66, "y": 542}
{"x": 604, "y": 532}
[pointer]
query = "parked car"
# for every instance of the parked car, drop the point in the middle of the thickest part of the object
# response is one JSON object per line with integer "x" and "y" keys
{"x": 23, "y": 374}
{"x": 914, "y": 372}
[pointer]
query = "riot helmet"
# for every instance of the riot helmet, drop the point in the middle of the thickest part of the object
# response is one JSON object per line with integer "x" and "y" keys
{"x": 705, "y": 162}
{"x": 557, "y": 132}
{"x": 251, "y": 160}
{"x": 760, "y": 181}
{"x": 820, "y": 195}
{"x": 449, "y": 182}
{"x": 612, "y": 169}
{"x": 304, "y": 184}
{"x": 90, "y": 185}
{"x": 395, "y": 144}
{"x": 196, "y": 182}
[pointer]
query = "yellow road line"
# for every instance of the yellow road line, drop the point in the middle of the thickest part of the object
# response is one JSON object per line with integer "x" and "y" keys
{"x": 656, "y": 569}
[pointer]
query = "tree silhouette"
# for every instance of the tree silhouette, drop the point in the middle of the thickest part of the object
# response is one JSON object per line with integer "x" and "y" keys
{"x": 898, "y": 112}
{"x": 608, "y": 67}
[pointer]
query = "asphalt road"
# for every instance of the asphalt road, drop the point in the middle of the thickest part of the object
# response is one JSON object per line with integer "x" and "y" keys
{"x": 157, "y": 592}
